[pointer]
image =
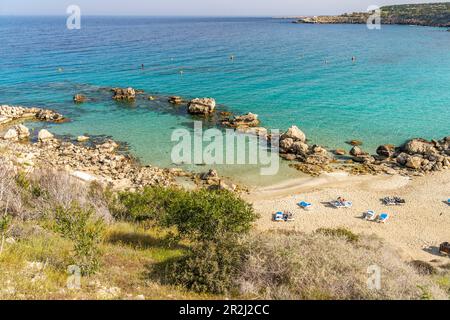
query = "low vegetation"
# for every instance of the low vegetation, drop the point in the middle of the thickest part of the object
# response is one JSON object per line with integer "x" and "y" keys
{"x": 169, "y": 243}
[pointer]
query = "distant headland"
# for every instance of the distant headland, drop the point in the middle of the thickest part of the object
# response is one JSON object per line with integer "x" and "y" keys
{"x": 426, "y": 14}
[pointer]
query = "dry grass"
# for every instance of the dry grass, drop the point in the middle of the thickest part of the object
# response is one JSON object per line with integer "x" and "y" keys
{"x": 318, "y": 266}
{"x": 35, "y": 267}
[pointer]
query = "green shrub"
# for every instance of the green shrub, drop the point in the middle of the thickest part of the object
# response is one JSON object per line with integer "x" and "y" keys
{"x": 207, "y": 215}
{"x": 210, "y": 267}
{"x": 78, "y": 225}
{"x": 22, "y": 180}
{"x": 200, "y": 215}
{"x": 148, "y": 204}
{"x": 339, "y": 232}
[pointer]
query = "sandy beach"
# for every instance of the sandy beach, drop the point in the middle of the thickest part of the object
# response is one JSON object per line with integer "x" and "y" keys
{"x": 416, "y": 228}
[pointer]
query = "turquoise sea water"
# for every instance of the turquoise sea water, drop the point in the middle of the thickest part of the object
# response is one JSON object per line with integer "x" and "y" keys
{"x": 398, "y": 88}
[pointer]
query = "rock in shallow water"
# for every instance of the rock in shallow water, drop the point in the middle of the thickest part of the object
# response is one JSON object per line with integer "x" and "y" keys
{"x": 202, "y": 106}
{"x": 295, "y": 134}
{"x": 44, "y": 135}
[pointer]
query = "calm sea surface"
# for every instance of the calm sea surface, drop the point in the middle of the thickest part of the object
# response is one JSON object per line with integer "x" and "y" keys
{"x": 398, "y": 88}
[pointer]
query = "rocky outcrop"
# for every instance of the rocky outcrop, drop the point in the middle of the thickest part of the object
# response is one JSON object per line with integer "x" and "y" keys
{"x": 311, "y": 159}
{"x": 127, "y": 94}
{"x": 9, "y": 113}
{"x": 97, "y": 162}
{"x": 202, "y": 106}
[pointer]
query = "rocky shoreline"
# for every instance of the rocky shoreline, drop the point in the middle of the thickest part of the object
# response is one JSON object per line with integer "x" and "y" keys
{"x": 102, "y": 162}
{"x": 90, "y": 162}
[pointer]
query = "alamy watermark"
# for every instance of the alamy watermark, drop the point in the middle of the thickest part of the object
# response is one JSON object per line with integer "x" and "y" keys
{"x": 74, "y": 278}
{"x": 374, "y": 280}
{"x": 374, "y": 20}
{"x": 215, "y": 147}
{"x": 73, "y": 21}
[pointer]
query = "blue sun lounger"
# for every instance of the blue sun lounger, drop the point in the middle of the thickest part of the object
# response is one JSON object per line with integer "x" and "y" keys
{"x": 383, "y": 218}
{"x": 305, "y": 205}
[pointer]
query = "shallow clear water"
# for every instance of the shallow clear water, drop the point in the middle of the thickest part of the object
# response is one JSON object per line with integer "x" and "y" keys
{"x": 398, "y": 88}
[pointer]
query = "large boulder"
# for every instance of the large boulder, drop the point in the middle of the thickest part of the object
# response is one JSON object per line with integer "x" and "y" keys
{"x": 11, "y": 134}
{"x": 414, "y": 162}
{"x": 295, "y": 134}
{"x": 22, "y": 131}
{"x": 386, "y": 150}
{"x": 44, "y": 135}
{"x": 402, "y": 158}
{"x": 300, "y": 148}
{"x": 419, "y": 146}
{"x": 201, "y": 106}
{"x": 17, "y": 132}
{"x": 357, "y": 151}
{"x": 286, "y": 144}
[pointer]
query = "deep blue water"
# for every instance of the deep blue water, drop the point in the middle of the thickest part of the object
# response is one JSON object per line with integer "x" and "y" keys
{"x": 398, "y": 88}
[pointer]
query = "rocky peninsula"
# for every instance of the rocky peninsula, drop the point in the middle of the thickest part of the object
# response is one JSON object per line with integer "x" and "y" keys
{"x": 427, "y": 14}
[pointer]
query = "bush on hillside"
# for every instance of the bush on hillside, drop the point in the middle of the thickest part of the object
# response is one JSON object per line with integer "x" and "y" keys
{"x": 85, "y": 232}
{"x": 200, "y": 215}
{"x": 210, "y": 267}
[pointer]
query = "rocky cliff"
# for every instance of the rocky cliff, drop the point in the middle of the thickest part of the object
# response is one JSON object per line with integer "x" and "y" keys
{"x": 428, "y": 14}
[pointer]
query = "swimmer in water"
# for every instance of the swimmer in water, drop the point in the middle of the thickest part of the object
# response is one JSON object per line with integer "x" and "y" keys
{"x": 232, "y": 57}
{"x": 353, "y": 58}
{"x": 142, "y": 66}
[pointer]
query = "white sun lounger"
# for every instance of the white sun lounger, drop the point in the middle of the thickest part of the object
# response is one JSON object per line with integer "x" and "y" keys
{"x": 370, "y": 215}
{"x": 340, "y": 204}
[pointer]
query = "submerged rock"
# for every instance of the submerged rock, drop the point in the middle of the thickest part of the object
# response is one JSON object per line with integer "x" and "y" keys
{"x": 128, "y": 94}
{"x": 79, "y": 98}
{"x": 175, "y": 100}
{"x": 355, "y": 142}
{"x": 340, "y": 152}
